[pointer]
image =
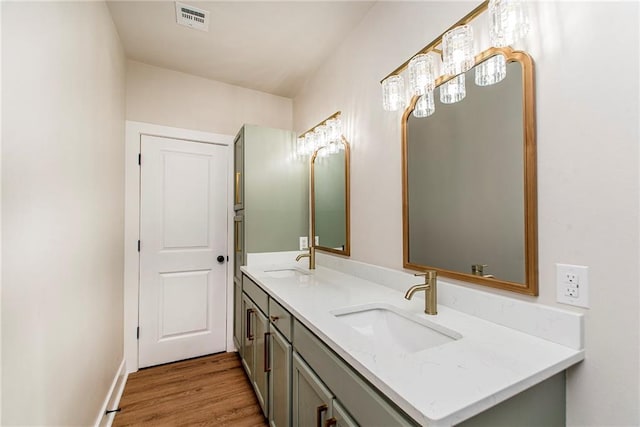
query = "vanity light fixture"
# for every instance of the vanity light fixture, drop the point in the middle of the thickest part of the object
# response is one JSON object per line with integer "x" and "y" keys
{"x": 327, "y": 133}
{"x": 508, "y": 23}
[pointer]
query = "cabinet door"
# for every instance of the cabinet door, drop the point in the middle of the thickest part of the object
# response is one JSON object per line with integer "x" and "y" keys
{"x": 238, "y": 245}
{"x": 237, "y": 316}
{"x": 311, "y": 399}
{"x": 279, "y": 381}
{"x": 238, "y": 199}
{"x": 340, "y": 417}
{"x": 261, "y": 368}
{"x": 248, "y": 335}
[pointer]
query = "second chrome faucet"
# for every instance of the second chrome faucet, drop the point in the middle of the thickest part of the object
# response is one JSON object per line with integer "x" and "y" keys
{"x": 430, "y": 288}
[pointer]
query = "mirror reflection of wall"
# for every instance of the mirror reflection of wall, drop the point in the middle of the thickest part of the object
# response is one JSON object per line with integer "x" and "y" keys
{"x": 465, "y": 171}
{"x": 330, "y": 197}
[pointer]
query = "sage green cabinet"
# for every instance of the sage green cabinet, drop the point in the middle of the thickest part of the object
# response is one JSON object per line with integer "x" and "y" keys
{"x": 254, "y": 357}
{"x": 311, "y": 399}
{"x": 279, "y": 380}
{"x": 365, "y": 405}
{"x": 270, "y": 192}
{"x": 260, "y": 378}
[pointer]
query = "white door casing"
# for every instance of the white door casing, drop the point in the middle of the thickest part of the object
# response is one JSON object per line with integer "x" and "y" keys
{"x": 183, "y": 229}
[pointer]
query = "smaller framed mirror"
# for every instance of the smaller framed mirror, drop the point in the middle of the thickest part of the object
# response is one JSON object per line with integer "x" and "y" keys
{"x": 330, "y": 217}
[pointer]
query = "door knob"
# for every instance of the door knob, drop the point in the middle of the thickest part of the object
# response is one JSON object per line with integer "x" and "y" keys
{"x": 220, "y": 259}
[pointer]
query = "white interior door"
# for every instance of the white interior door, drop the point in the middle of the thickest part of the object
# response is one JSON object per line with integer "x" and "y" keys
{"x": 183, "y": 230}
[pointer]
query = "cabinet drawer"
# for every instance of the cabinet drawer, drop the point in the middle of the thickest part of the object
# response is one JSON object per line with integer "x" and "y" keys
{"x": 256, "y": 294}
{"x": 280, "y": 318}
{"x": 363, "y": 402}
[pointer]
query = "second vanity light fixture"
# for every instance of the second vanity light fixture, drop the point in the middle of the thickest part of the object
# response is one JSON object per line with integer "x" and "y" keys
{"x": 508, "y": 23}
{"x": 327, "y": 133}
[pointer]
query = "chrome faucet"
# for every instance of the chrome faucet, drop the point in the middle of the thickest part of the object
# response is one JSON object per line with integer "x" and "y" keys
{"x": 312, "y": 257}
{"x": 430, "y": 288}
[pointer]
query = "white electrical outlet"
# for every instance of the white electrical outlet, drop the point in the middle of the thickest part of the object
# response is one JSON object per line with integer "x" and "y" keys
{"x": 572, "y": 285}
{"x": 304, "y": 243}
{"x": 317, "y": 240}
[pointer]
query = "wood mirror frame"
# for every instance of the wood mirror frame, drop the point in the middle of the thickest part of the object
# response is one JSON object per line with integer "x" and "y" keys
{"x": 347, "y": 244}
{"x": 530, "y": 285}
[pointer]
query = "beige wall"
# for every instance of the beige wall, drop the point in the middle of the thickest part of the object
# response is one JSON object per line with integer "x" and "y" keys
{"x": 63, "y": 80}
{"x": 171, "y": 98}
{"x": 588, "y": 186}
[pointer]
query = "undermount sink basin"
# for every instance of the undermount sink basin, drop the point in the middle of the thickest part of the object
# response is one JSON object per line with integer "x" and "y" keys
{"x": 399, "y": 331}
{"x": 285, "y": 273}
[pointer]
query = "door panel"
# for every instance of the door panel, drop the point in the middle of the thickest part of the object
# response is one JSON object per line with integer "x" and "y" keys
{"x": 311, "y": 399}
{"x": 279, "y": 381}
{"x": 183, "y": 228}
{"x": 260, "y": 370}
{"x": 248, "y": 335}
{"x": 191, "y": 289}
{"x": 186, "y": 213}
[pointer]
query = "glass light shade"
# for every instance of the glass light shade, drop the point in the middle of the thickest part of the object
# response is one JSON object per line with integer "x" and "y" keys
{"x": 321, "y": 136}
{"x": 454, "y": 90}
{"x": 334, "y": 129}
{"x": 457, "y": 50}
{"x": 393, "y": 93}
{"x": 509, "y": 22}
{"x": 491, "y": 71}
{"x": 425, "y": 106}
{"x": 300, "y": 147}
{"x": 421, "y": 74}
{"x": 310, "y": 143}
{"x": 334, "y": 147}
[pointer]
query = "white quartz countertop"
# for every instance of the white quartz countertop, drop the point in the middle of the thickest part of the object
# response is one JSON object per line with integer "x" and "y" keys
{"x": 439, "y": 386}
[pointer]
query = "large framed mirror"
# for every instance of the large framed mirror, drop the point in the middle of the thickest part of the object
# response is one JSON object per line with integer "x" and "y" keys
{"x": 330, "y": 216}
{"x": 469, "y": 182}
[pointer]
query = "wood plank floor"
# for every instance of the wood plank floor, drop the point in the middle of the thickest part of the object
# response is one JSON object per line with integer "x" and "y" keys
{"x": 211, "y": 390}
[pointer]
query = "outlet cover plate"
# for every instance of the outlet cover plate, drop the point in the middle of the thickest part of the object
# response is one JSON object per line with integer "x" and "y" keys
{"x": 572, "y": 285}
{"x": 304, "y": 243}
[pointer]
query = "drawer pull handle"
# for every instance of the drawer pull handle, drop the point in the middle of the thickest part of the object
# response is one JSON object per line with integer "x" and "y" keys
{"x": 330, "y": 422}
{"x": 249, "y": 332}
{"x": 274, "y": 318}
{"x": 267, "y": 351}
{"x": 319, "y": 410}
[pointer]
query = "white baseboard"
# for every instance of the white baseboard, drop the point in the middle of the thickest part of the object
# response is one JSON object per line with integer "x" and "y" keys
{"x": 112, "y": 399}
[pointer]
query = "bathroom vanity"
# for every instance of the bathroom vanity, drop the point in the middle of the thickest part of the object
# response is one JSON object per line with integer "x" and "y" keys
{"x": 340, "y": 345}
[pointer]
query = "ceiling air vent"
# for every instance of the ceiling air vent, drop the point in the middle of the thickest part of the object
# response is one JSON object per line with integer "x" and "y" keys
{"x": 192, "y": 17}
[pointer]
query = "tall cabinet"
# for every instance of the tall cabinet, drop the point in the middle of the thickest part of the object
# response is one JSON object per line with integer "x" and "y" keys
{"x": 271, "y": 198}
{"x": 271, "y": 213}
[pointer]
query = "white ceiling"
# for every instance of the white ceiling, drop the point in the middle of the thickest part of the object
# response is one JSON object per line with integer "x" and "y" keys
{"x": 268, "y": 46}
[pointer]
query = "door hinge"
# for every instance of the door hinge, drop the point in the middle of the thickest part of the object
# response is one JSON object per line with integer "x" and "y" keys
{"x": 138, "y": 333}
{"x": 227, "y": 258}
{"x": 139, "y": 158}
{"x": 138, "y": 245}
